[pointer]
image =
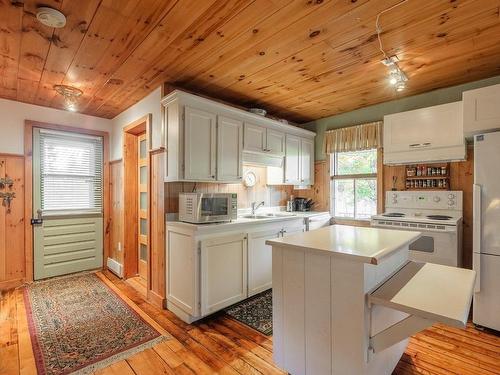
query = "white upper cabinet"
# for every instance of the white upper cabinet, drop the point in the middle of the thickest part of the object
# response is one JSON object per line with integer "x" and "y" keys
{"x": 229, "y": 149}
{"x": 275, "y": 142}
{"x": 299, "y": 161}
{"x": 205, "y": 140}
{"x": 430, "y": 134}
{"x": 481, "y": 110}
{"x": 292, "y": 160}
{"x": 200, "y": 145}
{"x": 306, "y": 161}
{"x": 261, "y": 139}
{"x": 255, "y": 138}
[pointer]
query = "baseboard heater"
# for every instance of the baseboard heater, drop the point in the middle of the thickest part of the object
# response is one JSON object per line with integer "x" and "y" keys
{"x": 115, "y": 267}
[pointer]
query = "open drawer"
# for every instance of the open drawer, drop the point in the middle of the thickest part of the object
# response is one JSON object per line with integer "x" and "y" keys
{"x": 429, "y": 293}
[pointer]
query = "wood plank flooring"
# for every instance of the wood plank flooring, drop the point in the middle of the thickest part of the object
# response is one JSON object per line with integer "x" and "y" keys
{"x": 219, "y": 345}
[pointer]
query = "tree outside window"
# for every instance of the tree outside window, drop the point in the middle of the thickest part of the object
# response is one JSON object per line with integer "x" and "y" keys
{"x": 354, "y": 184}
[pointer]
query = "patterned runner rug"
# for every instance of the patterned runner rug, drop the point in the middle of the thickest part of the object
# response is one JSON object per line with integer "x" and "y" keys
{"x": 78, "y": 324}
{"x": 256, "y": 312}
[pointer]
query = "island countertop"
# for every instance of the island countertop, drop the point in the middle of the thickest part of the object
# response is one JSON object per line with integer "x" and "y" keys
{"x": 359, "y": 244}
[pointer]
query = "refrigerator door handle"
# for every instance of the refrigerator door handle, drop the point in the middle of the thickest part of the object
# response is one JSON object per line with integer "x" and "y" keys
{"x": 476, "y": 235}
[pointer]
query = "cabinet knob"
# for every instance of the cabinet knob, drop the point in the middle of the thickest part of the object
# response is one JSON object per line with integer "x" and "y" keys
{"x": 213, "y": 177}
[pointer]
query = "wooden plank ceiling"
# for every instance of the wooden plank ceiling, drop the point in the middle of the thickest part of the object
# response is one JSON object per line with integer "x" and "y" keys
{"x": 301, "y": 60}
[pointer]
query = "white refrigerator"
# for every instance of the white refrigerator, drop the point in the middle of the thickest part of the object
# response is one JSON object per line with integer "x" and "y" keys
{"x": 486, "y": 233}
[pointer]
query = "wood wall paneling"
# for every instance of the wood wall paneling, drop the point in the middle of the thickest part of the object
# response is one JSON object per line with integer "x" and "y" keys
{"x": 12, "y": 252}
{"x": 301, "y": 60}
{"x": 117, "y": 204}
{"x": 157, "y": 259}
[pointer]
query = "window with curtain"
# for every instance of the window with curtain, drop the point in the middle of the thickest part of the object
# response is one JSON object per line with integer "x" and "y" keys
{"x": 353, "y": 170}
{"x": 71, "y": 171}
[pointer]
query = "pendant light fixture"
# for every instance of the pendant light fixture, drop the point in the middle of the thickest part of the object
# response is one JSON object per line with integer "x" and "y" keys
{"x": 397, "y": 76}
{"x": 70, "y": 95}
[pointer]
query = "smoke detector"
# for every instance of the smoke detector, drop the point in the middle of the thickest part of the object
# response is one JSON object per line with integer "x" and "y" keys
{"x": 50, "y": 17}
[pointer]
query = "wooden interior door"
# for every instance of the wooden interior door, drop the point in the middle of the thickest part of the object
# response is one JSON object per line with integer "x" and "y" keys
{"x": 142, "y": 211}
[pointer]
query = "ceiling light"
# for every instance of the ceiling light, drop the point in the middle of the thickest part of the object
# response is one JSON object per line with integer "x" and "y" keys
{"x": 397, "y": 77}
{"x": 400, "y": 86}
{"x": 50, "y": 17}
{"x": 393, "y": 78}
{"x": 70, "y": 95}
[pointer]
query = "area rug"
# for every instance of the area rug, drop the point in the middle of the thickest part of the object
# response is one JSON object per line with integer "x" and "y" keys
{"x": 256, "y": 312}
{"x": 78, "y": 324}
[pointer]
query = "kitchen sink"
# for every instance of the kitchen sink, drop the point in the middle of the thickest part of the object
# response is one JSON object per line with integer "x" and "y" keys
{"x": 255, "y": 217}
{"x": 267, "y": 216}
{"x": 279, "y": 215}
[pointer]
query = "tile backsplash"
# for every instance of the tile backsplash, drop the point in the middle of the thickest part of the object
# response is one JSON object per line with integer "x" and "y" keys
{"x": 271, "y": 195}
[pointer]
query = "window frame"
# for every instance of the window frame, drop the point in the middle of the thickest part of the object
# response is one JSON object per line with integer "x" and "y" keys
{"x": 333, "y": 164}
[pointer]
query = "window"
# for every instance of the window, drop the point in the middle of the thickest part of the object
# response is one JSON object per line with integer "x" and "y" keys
{"x": 354, "y": 184}
{"x": 70, "y": 171}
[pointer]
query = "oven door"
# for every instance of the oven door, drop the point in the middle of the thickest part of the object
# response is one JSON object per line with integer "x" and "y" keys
{"x": 214, "y": 207}
{"x": 436, "y": 247}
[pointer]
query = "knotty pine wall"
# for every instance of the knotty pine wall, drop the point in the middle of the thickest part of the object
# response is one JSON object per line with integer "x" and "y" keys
{"x": 12, "y": 252}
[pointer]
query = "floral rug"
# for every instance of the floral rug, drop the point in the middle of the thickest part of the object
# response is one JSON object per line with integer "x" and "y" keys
{"x": 256, "y": 312}
{"x": 78, "y": 324}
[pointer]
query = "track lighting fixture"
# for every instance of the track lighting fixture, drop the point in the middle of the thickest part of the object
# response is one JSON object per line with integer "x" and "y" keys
{"x": 397, "y": 77}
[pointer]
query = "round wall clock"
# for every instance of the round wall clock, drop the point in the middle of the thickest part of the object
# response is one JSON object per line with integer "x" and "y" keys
{"x": 250, "y": 179}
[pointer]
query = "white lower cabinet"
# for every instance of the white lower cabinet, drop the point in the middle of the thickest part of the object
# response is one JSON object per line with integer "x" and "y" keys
{"x": 209, "y": 271}
{"x": 223, "y": 272}
{"x": 260, "y": 261}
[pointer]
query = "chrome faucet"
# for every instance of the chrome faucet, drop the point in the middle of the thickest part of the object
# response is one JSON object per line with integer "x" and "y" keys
{"x": 255, "y": 206}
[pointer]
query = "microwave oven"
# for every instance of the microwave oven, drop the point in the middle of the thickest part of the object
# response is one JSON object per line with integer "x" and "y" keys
{"x": 207, "y": 207}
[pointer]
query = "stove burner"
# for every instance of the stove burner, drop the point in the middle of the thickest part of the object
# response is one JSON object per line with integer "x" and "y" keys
{"x": 394, "y": 214}
{"x": 438, "y": 217}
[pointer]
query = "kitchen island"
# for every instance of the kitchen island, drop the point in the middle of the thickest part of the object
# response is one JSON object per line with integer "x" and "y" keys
{"x": 345, "y": 299}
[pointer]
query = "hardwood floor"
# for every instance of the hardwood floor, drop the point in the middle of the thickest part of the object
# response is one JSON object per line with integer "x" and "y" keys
{"x": 220, "y": 345}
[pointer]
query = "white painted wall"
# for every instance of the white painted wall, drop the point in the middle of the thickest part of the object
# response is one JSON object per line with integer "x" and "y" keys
{"x": 13, "y": 114}
{"x": 149, "y": 104}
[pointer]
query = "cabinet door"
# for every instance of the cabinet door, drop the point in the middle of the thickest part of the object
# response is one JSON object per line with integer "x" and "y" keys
{"x": 229, "y": 149}
{"x": 306, "y": 161}
{"x": 426, "y": 128}
{"x": 199, "y": 144}
{"x": 292, "y": 160}
{"x": 275, "y": 142}
{"x": 481, "y": 109}
{"x": 254, "y": 138}
{"x": 223, "y": 272}
{"x": 260, "y": 261}
{"x": 182, "y": 271}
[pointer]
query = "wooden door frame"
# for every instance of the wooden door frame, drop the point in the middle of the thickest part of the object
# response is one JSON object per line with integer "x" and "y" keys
{"x": 28, "y": 180}
{"x": 131, "y": 198}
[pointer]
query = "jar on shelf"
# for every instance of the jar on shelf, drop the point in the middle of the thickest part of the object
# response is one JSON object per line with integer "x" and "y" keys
{"x": 443, "y": 171}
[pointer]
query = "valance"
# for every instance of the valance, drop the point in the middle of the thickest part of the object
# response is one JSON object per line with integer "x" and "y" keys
{"x": 354, "y": 138}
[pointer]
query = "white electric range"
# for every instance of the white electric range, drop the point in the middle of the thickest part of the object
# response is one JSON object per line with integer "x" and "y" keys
{"x": 437, "y": 214}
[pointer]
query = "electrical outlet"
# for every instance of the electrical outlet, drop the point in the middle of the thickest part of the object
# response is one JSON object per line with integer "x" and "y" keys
{"x": 119, "y": 246}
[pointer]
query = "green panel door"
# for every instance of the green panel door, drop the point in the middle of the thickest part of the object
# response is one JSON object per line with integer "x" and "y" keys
{"x": 67, "y": 196}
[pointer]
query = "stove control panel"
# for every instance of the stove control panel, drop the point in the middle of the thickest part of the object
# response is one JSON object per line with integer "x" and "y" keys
{"x": 432, "y": 200}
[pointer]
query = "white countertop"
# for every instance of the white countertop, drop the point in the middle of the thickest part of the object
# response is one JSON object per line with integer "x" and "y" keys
{"x": 243, "y": 221}
{"x": 360, "y": 244}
